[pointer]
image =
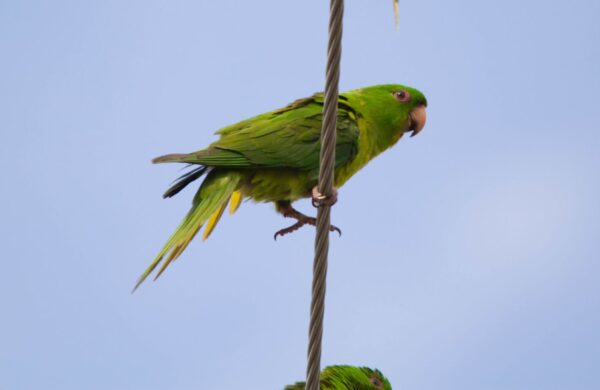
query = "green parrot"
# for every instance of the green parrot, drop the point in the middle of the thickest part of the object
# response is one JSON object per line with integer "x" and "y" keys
{"x": 348, "y": 378}
{"x": 274, "y": 157}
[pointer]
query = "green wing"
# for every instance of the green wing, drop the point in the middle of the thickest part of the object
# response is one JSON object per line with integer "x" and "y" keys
{"x": 285, "y": 138}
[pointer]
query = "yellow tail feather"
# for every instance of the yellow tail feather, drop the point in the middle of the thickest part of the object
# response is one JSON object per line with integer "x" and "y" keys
{"x": 208, "y": 206}
{"x": 236, "y": 200}
{"x": 212, "y": 221}
{"x": 176, "y": 252}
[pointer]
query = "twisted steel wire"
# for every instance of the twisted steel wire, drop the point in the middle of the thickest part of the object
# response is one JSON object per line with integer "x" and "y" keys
{"x": 328, "y": 136}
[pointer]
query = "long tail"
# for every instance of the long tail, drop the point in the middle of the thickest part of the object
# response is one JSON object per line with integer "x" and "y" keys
{"x": 208, "y": 205}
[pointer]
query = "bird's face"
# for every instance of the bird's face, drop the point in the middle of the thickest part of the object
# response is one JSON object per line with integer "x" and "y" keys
{"x": 397, "y": 108}
{"x": 376, "y": 379}
{"x": 412, "y": 103}
{"x": 353, "y": 378}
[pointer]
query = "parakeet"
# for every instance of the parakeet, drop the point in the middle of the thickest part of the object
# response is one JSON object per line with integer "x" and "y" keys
{"x": 348, "y": 378}
{"x": 274, "y": 157}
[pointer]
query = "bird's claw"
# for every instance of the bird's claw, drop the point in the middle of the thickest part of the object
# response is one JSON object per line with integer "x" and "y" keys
{"x": 333, "y": 228}
{"x": 287, "y": 230}
{"x": 299, "y": 224}
{"x": 318, "y": 199}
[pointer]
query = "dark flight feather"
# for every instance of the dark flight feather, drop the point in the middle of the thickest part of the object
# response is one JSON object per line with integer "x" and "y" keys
{"x": 184, "y": 180}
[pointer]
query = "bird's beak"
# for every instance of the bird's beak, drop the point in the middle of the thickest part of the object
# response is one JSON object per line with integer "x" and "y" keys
{"x": 418, "y": 117}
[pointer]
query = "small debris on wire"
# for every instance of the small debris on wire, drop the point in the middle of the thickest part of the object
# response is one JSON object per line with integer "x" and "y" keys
{"x": 396, "y": 14}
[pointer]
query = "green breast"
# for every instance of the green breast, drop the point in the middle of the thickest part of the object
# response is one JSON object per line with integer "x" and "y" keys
{"x": 271, "y": 185}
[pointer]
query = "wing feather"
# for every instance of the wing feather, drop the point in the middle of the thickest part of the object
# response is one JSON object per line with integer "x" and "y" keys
{"x": 285, "y": 138}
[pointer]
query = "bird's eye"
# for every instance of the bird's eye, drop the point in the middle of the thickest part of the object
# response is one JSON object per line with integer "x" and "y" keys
{"x": 402, "y": 96}
{"x": 376, "y": 382}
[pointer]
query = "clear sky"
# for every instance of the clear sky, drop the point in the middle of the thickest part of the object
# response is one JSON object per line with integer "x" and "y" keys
{"x": 470, "y": 254}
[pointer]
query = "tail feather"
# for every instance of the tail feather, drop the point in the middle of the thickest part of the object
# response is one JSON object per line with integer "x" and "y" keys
{"x": 184, "y": 180}
{"x": 212, "y": 221}
{"x": 212, "y": 197}
{"x": 236, "y": 200}
{"x": 177, "y": 250}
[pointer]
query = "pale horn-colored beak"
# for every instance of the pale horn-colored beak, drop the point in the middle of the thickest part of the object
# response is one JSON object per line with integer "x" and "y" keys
{"x": 418, "y": 117}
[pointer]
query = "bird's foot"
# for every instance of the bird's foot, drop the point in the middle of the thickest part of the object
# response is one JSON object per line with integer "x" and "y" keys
{"x": 318, "y": 199}
{"x": 290, "y": 212}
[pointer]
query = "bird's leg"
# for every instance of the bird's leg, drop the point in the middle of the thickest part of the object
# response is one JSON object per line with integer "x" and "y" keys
{"x": 285, "y": 208}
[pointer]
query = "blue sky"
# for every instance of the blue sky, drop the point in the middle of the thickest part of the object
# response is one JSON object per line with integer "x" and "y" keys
{"x": 469, "y": 258}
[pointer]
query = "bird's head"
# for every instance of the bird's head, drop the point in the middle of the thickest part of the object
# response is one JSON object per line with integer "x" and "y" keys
{"x": 397, "y": 107}
{"x": 376, "y": 379}
{"x": 352, "y": 377}
{"x": 417, "y": 115}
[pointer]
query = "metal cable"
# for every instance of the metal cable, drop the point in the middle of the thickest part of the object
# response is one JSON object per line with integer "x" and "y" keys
{"x": 328, "y": 135}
